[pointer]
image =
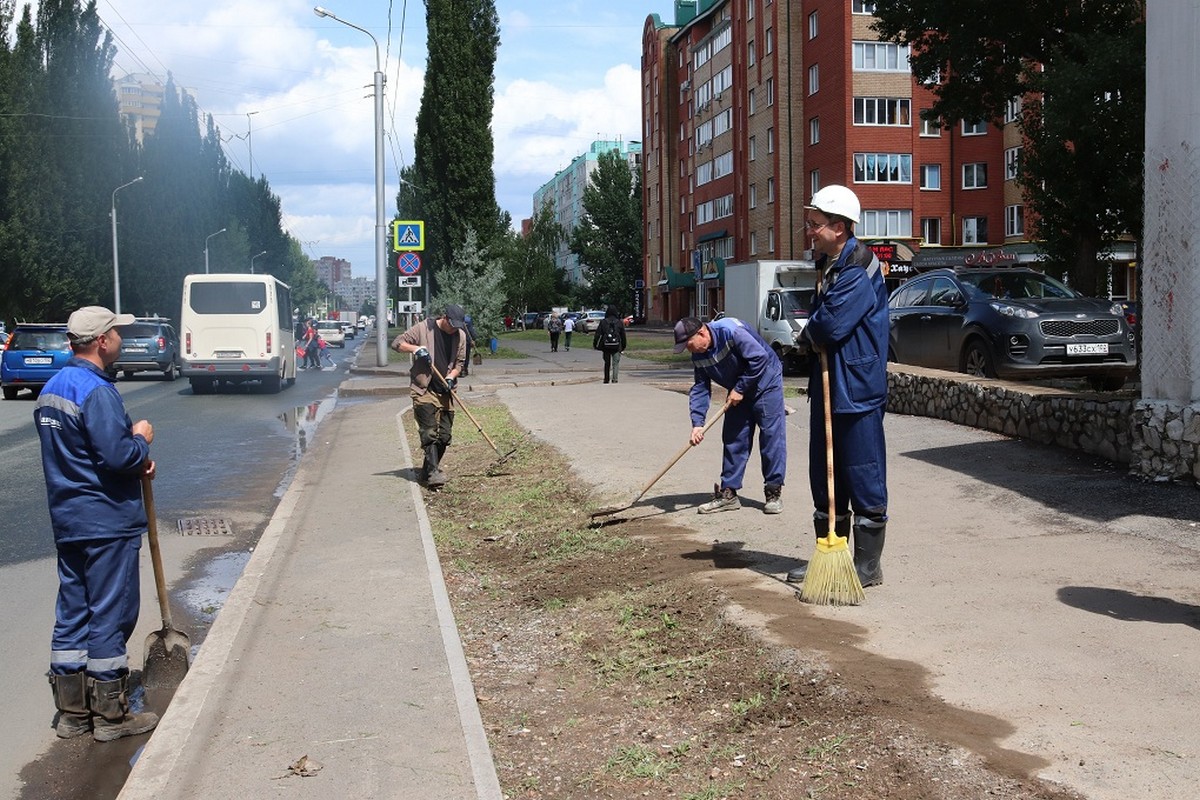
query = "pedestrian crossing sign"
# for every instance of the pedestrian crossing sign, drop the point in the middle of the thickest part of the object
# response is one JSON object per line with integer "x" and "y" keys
{"x": 408, "y": 234}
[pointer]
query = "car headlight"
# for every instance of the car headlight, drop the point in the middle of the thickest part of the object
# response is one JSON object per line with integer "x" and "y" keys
{"x": 1019, "y": 312}
{"x": 1117, "y": 309}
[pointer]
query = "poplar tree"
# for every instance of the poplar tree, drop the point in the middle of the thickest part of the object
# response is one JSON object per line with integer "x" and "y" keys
{"x": 454, "y": 185}
{"x": 608, "y": 238}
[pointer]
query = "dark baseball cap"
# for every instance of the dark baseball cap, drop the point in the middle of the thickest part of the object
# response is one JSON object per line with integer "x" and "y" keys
{"x": 685, "y": 329}
{"x": 456, "y": 315}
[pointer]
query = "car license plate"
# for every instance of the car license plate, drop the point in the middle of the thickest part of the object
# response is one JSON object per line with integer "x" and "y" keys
{"x": 229, "y": 354}
{"x": 134, "y": 348}
{"x": 1096, "y": 349}
{"x": 33, "y": 360}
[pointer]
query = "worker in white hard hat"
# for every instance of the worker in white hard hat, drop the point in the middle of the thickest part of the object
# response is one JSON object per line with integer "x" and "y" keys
{"x": 849, "y": 324}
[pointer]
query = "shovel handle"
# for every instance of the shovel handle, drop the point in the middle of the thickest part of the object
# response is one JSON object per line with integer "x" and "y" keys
{"x": 720, "y": 413}
{"x": 160, "y": 583}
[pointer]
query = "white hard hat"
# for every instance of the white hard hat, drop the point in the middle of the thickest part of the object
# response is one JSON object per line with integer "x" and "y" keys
{"x": 837, "y": 201}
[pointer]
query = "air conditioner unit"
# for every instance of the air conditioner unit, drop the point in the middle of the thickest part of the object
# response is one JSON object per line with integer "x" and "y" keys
{"x": 717, "y": 96}
{"x": 685, "y": 85}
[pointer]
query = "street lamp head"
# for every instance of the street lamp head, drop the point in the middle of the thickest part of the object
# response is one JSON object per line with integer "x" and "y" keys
{"x": 320, "y": 12}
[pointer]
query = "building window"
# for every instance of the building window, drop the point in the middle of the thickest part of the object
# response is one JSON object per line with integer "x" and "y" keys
{"x": 896, "y": 222}
{"x": 975, "y": 175}
{"x": 1014, "y": 220}
{"x": 931, "y": 230}
{"x": 976, "y": 128}
{"x": 882, "y": 111}
{"x": 931, "y": 176}
{"x": 771, "y": 239}
{"x": 880, "y": 57}
{"x": 752, "y": 149}
{"x": 930, "y": 127}
{"x": 1012, "y": 163}
{"x": 974, "y": 230}
{"x": 1012, "y": 110}
{"x": 814, "y": 79}
{"x": 770, "y": 190}
{"x": 770, "y": 91}
{"x": 750, "y": 101}
{"x": 882, "y": 168}
{"x": 750, "y": 8}
{"x": 814, "y": 130}
{"x": 753, "y": 242}
{"x": 812, "y": 25}
{"x": 770, "y": 41}
{"x": 770, "y": 140}
{"x": 750, "y": 53}
{"x": 862, "y": 7}
{"x": 754, "y": 195}
{"x": 814, "y": 182}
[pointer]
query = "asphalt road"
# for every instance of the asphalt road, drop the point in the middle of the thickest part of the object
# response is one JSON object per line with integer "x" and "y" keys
{"x": 220, "y": 457}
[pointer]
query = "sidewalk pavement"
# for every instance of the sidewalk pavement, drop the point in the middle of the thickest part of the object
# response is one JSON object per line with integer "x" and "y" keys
{"x": 1046, "y": 603}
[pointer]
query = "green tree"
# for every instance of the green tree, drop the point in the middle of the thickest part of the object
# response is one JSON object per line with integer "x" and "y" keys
{"x": 1083, "y": 114}
{"x": 531, "y": 278}
{"x": 473, "y": 281}
{"x": 608, "y": 238}
{"x": 453, "y": 183}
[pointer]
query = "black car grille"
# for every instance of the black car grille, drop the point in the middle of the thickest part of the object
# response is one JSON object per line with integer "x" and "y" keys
{"x": 1065, "y": 328}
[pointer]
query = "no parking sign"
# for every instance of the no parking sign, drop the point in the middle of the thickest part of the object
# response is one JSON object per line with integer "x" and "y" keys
{"x": 408, "y": 263}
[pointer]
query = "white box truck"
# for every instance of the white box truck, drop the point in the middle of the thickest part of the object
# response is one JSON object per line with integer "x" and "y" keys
{"x": 774, "y": 297}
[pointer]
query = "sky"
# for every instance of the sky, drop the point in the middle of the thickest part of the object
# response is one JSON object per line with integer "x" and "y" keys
{"x": 292, "y": 91}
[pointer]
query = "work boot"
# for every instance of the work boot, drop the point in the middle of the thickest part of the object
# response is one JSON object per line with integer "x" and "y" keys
{"x": 110, "y": 705}
{"x": 70, "y": 698}
{"x": 436, "y": 479}
{"x": 723, "y": 500}
{"x": 821, "y": 526}
{"x": 774, "y": 496}
{"x": 868, "y": 552}
{"x": 430, "y": 467}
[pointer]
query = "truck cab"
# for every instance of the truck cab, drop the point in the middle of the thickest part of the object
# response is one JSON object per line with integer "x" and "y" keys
{"x": 774, "y": 297}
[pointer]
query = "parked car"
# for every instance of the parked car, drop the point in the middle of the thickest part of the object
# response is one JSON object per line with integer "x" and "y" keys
{"x": 590, "y": 321}
{"x": 331, "y": 331}
{"x": 149, "y": 344}
{"x": 33, "y": 354}
{"x": 529, "y": 320}
{"x": 1009, "y": 323}
{"x": 542, "y": 316}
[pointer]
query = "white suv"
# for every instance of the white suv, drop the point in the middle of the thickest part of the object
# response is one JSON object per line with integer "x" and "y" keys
{"x": 331, "y": 331}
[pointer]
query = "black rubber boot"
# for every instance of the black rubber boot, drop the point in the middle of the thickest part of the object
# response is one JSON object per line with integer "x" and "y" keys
{"x": 434, "y": 477}
{"x": 71, "y": 700}
{"x": 821, "y": 528}
{"x": 868, "y": 552}
{"x": 110, "y": 705}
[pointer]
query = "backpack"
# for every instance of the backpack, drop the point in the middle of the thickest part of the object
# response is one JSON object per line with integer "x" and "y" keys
{"x": 610, "y": 337}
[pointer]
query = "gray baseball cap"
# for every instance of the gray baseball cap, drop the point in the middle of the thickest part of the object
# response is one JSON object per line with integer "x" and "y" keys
{"x": 91, "y": 321}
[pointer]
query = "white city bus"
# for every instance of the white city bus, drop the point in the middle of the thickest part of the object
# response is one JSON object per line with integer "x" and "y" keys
{"x": 235, "y": 328}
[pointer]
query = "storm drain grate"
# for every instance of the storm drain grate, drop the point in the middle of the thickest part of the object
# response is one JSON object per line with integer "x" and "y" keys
{"x": 205, "y": 526}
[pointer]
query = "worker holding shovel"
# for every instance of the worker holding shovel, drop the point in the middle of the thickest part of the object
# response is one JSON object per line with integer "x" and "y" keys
{"x": 439, "y": 349}
{"x": 733, "y": 355}
{"x": 94, "y": 459}
{"x": 848, "y": 326}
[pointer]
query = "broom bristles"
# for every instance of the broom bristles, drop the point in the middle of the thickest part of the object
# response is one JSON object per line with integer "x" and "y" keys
{"x": 831, "y": 579}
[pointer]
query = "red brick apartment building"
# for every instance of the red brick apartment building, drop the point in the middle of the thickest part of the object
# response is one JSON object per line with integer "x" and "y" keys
{"x": 750, "y": 106}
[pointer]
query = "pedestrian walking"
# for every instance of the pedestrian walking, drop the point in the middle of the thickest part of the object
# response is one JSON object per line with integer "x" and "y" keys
{"x": 610, "y": 341}
{"x": 554, "y": 326}
{"x": 312, "y": 346}
{"x": 733, "y": 355}
{"x": 568, "y": 329}
{"x": 93, "y": 458}
{"x": 849, "y": 323}
{"x": 471, "y": 343}
{"x": 436, "y": 342}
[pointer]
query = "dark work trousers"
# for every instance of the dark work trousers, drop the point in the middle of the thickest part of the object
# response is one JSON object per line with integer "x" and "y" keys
{"x": 612, "y": 363}
{"x": 434, "y": 414}
{"x": 554, "y": 341}
{"x": 97, "y": 607}
{"x": 859, "y": 463}
{"x": 764, "y": 411}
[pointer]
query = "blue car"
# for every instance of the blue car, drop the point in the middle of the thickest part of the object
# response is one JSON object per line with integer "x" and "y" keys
{"x": 33, "y": 355}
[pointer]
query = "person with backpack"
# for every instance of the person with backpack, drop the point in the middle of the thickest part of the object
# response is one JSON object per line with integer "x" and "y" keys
{"x": 610, "y": 340}
{"x": 554, "y": 326}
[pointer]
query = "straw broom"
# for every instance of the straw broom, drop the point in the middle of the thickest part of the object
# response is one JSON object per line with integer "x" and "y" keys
{"x": 831, "y": 579}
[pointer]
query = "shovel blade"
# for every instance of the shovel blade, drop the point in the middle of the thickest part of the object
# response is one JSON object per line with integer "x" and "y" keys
{"x": 167, "y": 659}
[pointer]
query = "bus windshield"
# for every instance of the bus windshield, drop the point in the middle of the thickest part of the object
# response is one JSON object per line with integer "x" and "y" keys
{"x": 233, "y": 297}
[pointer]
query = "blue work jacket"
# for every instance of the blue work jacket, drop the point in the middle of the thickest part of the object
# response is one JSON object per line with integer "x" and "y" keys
{"x": 738, "y": 359}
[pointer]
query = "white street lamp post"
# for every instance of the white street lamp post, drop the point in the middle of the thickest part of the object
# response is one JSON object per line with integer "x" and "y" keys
{"x": 380, "y": 225}
{"x": 206, "y": 238}
{"x": 263, "y": 253}
{"x": 116, "y": 266}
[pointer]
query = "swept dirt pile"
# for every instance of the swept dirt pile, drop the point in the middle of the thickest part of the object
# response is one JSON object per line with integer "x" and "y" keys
{"x": 622, "y": 661}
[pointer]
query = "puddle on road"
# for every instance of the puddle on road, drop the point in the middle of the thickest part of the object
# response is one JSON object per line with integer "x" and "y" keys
{"x": 207, "y": 593}
{"x": 302, "y": 423}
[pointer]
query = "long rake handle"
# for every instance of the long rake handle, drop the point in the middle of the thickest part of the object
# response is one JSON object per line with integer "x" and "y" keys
{"x": 160, "y": 583}
{"x": 461, "y": 405}
{"x": 828, "y": 444}
{"x": 680, "y": 454}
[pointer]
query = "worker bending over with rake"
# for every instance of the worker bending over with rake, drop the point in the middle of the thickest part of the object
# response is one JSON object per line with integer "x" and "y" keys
{"x": 733, "y": 355}
{"x": 849, "y": 323}
{"x": 439, "y": 349}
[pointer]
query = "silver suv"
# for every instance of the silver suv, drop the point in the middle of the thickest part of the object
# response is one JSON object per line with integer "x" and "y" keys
{"x": 149, "y": 344}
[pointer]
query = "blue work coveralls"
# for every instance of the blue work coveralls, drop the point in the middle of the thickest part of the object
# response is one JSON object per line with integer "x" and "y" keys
{"x": 93, "y": 464}
{"x": 849, "y": 320}
{"x": 740, "y": 359}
